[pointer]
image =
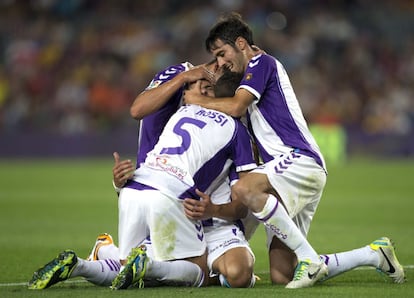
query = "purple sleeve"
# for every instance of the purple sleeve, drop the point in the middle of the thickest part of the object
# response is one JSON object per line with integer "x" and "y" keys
{"x": 152, "y": 125}
{"x": 260, "y": 70}
{"x": 165, "y": 75}
{"x": 242, "y": 149}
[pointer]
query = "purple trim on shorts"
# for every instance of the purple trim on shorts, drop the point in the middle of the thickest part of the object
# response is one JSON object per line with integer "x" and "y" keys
{"x": 270, "y": 213}
{"x": 303, "y": 152}
{"x": 189, "y": 193}
{"x": 310, "y": 154}
{"x": 138, "y": 186}
{"x": 207, "y": 222}
{"x": 241, "y": 226}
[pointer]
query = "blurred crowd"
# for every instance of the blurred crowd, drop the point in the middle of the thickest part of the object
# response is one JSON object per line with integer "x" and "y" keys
{"x": 75, "y": 66}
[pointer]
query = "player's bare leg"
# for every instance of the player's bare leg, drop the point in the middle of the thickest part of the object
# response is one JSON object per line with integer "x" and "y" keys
{"x": 282, "y": 262}
{"x": 236, "y": 267}
{"x": 254, "y": 190}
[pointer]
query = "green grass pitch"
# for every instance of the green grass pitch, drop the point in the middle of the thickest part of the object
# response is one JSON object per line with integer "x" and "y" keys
{"x": 50, "y": 205}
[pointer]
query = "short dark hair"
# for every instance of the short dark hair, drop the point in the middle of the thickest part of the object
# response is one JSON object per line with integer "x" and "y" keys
{"x": 227, "y": 84}
{"x": 228, "y": 28}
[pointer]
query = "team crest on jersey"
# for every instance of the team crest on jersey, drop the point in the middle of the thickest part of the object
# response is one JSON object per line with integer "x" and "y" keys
{"x": 248, "y": 76}
{"x": 154, "y": 84}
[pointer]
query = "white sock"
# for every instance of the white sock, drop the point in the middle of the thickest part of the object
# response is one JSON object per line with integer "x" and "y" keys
{"x": 101, "y": 272}
{"x": 277, "y": 220}
{"x": 110, "y": 251}
{"x": 225, "y": 283}
{"x": 252, "y": 281}
{"x": 175, "y": 273}
{"x": 344, "y": 261}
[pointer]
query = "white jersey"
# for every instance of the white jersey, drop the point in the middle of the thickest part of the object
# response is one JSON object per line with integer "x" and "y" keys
{"x": 195, "y": 150}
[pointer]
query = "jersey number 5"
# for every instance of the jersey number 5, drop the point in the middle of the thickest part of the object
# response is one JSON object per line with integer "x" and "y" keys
{"x": 185, "y": 135}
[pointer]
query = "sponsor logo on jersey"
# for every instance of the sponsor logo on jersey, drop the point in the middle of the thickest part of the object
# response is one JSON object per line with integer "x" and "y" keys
{"x": 162, "y": 162}
{"x": 154, "y": 84}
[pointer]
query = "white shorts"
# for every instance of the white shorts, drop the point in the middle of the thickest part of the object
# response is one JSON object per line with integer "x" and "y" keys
{"x": 299, "y": 181}
{"x": 221, "y": 239}
{"x": 149, "y": 212}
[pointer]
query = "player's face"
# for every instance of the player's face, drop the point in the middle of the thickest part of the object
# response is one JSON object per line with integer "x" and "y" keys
{"x": 228, "y": 56}
{"x": 203, "y": 86}
{"x": 206, "y": 88}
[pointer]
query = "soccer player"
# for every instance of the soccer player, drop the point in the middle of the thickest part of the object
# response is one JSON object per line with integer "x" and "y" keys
{"x": 229, "y": 256}
{"x": 229, "y": 253}
{"x": 187, "y": 156}
{"x": 162, "y": 98}
{"x": 285, "y": 191}
{"x": 233, "y": 250}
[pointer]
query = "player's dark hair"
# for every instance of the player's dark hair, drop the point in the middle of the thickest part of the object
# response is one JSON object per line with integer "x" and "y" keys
{"x": 228, "y": 28}
{"x": 227, "y": 84}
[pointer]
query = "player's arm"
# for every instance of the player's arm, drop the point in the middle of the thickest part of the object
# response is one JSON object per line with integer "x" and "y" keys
{"x": 205, "y": 209}
{"x": 235, "y": 106}
{"x": 151, "y": 100}
{"x": 231, "y": 211}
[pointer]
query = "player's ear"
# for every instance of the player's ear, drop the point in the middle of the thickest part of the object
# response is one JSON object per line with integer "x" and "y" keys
{"x": 240, "y": 43}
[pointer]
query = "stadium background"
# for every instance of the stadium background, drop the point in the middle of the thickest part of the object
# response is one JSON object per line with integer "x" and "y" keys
{"x": 69, "y": 69}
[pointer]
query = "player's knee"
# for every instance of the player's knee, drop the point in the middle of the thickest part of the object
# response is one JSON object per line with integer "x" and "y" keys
{"x": 241, "y": 191}
{"x": 238, "y": 277}
{"x": 247, "y": 194}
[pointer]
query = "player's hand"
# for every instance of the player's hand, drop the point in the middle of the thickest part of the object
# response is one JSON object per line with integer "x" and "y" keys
{"x": 201, "y": 72}
{"x": 191, "y": 95}
{"x": 122, "y": 170}
{"x": 199, "y": 209}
